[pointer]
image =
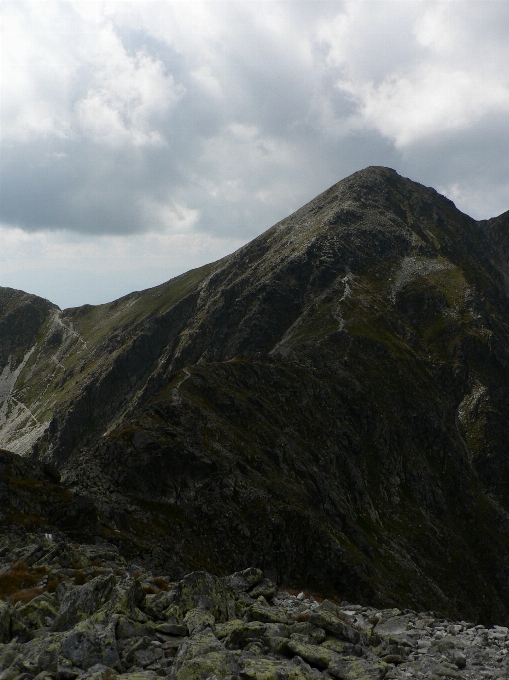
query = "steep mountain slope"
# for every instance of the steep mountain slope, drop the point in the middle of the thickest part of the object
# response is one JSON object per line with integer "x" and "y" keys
{"x": 330, "y": 403}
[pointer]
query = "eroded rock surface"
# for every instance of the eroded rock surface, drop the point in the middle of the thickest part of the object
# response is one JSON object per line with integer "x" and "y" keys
{"x": 86, "y": 613}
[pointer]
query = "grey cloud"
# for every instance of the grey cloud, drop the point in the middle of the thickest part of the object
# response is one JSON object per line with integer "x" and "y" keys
{"x": 272, "y": 86}
{"x": 474, "y": 159}
{"x": 81, "y": 188}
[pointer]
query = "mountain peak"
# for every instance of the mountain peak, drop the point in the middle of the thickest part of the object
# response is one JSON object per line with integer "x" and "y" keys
{"x": 329, "y": 402}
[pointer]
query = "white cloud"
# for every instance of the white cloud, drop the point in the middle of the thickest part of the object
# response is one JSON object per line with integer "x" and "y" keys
{"x": 205, "y": 122}
{"x": 429, "y": 101}
{"x": 171, "y": 217}
{"x": 67, "y": 268}
{"x": 443, "y": 77}
{"x": 67, "y": 74}
{"x": 118, "y": 109}
{"x": 204, "y": 76}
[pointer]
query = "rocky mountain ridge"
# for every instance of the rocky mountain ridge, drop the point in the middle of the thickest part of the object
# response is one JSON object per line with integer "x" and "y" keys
{"x": 329, "y": 403}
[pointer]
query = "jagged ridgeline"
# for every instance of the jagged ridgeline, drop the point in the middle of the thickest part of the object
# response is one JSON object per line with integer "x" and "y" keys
{"x": 330, "y": 404}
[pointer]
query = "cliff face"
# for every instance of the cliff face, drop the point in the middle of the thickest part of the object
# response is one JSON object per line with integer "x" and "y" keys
{"x": 329, "y": 403}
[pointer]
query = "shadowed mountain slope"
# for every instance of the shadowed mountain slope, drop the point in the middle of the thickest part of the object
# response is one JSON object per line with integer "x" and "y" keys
{"x": 330, "y": 403}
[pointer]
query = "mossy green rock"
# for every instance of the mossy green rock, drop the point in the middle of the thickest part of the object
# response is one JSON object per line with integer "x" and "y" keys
{"x": 198, "y": 619}
{"x": 80, "y": 603}
{"x": 259, "y": 612}
{"x": 127, "y": 628}
{"x": 202, "y": 590}
{"x": 316, "y": 655}
{"x": 216, "y": 663}
{"x": 242, "y": 581}
{"x": 38, "y": 613}
{"x": 5, "y": 622}
{"x": 239, "y": 636}
{"x": 332, "y": 624}
{"x": 265, "y": 588}
{"x": 87, "y": 645}
{"x": 353, "y": 668}
{"x": 126, "y": 596}
{"x": 41, "y": 654}
{"x": 201, "y": 644}
{"x": 272, "y": 669}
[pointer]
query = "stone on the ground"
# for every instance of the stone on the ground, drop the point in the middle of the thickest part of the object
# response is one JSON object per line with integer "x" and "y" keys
{"x": 205, "y": 628}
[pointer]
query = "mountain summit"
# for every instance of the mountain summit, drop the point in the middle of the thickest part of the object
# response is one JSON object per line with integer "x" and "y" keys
{"x": 329, "y": 403}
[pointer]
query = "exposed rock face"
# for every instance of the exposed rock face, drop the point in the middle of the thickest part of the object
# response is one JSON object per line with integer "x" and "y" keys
{"x": 82, "y": 612}
{"x": 329, "y": 403}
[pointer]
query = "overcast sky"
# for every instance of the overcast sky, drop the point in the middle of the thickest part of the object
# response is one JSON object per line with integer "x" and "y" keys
{"x": 139, "y": 140}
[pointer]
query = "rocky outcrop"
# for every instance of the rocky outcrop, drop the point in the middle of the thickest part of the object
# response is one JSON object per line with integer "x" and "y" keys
{"x": 328, "y": 404}
{"x": 33, "y": 499}
{"x": 89, "y": 614}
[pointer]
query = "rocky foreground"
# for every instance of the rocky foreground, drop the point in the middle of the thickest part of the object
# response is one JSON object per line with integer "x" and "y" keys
{"x": 70, "y": 611}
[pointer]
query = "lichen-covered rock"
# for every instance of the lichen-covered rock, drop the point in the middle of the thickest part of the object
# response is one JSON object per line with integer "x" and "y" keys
{"x": 215, "y": 664}
{"x": 277, "y": 644}
{"x": 60, "y": 555}
{"x": 127, "y": 628}
{"x": 145, "y": 675}
{"x": 202, "y": 643}
{"x": 146, "y": 657}
{"x": 394, "y": 625}
{"x": 291, "y": 638}
{"x": 41, "y": 654}
{"x": 99, "y": 672}
{"x": 332, "y": 624}
{"x": 126, "y": 597}
{"x": 155, "y": 604}
{"x": 202, "y": 590}
{"x": 137, "y": 645}
{"x": 172, "y": 629}
{"x": 173, "y": 614}
{"x": 222, "y": 630}
{"x": 19, "y": 629}
{"x": 10, "y": 674}
{"x": 259, "y": 612}
{"x": 339, "y": 646}
{"x": 38, "y": 613}
{"x": 198, "y": 619}
{"x": 243, "y": 633}
{"x": 314, "y": 654}
{"x": 83, "y": 601}
{"x": 242, "y": 581}
{"x": 5, "y": 622}
{"x": 353, "y": 668}
{"x": 86, "y": 646}
{"x": 266, "y": 588}
{"x": 8, "y": 653}
{"x": 272, "y": 669}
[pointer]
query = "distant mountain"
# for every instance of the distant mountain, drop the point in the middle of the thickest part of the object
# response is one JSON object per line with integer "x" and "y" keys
{"x": 330, "y": 403}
